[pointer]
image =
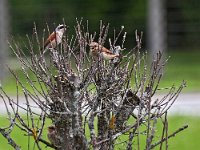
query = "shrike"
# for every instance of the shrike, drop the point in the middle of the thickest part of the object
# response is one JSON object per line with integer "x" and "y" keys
{"x": 52, "y": 135}
{"x": 55, "y": 38}
{"x": 97, "y": 49}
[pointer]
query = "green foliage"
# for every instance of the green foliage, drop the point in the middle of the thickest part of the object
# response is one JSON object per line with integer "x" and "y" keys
{"x": 131, "y": 13}
{"x": 48, "y": 11}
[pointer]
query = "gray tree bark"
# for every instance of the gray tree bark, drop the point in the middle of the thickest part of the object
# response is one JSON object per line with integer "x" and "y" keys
{"x": 156, "y": 23}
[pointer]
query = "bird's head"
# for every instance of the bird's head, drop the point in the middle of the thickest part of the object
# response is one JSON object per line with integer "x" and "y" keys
{"x": 61, "y": 27}
{"x": 93, "y": 45}
{"x": 51, "y": 128}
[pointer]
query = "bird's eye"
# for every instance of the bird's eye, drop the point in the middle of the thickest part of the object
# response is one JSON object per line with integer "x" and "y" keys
{"x": 61, "y": 27}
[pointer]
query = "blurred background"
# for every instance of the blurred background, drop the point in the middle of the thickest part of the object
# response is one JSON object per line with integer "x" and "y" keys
{"x": 170, "y": 26}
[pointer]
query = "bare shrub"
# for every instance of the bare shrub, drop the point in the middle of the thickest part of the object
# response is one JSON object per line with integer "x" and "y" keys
{"x": 112, "y": 100}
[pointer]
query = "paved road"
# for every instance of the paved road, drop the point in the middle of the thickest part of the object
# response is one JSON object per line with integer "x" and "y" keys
{"x": 186, "y": 104}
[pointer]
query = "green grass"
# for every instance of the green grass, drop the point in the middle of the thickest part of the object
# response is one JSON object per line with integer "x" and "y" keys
{"x": 9, "y": 84}
{"x": 187, "y": 139}
{"x": 20, "y": 137}
{"x": 182, "y": 65}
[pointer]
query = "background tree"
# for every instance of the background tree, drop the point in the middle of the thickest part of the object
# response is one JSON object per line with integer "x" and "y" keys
{"x": 182, "y": 21}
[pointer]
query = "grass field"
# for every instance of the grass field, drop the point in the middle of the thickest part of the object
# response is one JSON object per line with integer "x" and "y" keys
{"x": 187, "y": 139}
{"x": 182, "y": 65}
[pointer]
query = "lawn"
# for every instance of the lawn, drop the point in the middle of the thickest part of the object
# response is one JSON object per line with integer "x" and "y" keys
{"x": 187, "y": 139}
{"x": 20, "y": 137}
{"x": 182, "y": 65}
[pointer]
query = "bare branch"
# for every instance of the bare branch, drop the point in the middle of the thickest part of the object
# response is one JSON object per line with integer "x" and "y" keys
{"x": 109, "y": 93}
{"x": 170, "y": 136}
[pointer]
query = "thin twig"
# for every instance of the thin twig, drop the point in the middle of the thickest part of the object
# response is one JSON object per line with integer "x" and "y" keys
{"x": 170, "y": 136}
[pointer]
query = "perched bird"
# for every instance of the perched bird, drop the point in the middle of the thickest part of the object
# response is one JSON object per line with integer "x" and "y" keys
{"x": 55, "y": 38}
{"x": 97, "y": 49}
{"x": 131, "y": 99}
{"x": 52, "y": 135}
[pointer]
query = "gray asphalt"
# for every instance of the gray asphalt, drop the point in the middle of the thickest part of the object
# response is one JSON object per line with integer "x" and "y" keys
{"x": 186, "y": 104}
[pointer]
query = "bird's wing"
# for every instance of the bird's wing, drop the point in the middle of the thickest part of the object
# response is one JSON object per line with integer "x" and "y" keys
{"x": 99, "y": 47}
{"x": 50, "y": 38}
{"x": 103, "y": 49}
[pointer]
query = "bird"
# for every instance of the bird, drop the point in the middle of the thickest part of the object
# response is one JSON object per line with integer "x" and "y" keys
{"x": 52, "y": 135}
{"x": 55, "y": 38}
{"x": 97, "y": 49}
